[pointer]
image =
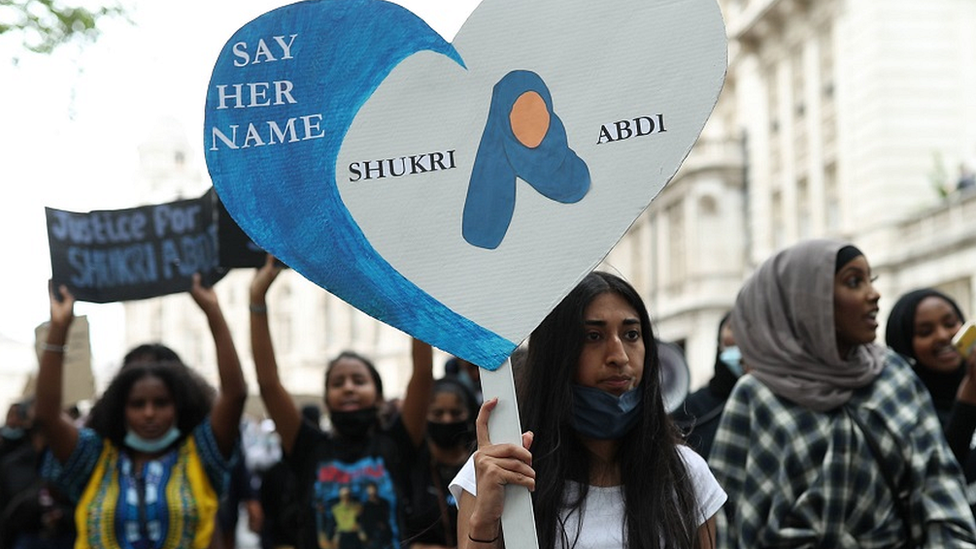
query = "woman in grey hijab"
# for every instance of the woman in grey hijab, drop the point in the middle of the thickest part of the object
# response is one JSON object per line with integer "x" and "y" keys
{"x": 830, "y": 440}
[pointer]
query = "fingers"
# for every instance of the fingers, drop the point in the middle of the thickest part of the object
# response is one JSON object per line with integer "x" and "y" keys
{"x": 66, "y": 295}
{"x": 971, "y": 361}
{"x": 61, "y": 297}
{"x": 200, "y": 293}
{"x": 484, "y": 440}
{"x": 59, "y": 294}
{"x": 271, "y": 266}
{"x": 264, "y": 276}
{"x": 504, "y": 464}
{"x": 481, "y": 424}
{"x": 501, "y": 464}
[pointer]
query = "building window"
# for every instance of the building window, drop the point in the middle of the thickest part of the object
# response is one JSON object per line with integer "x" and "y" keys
{"x": 826, "y": 49}
{"x": 800, "y": 141}
{"x": 831, "y": 199}
{"x": 828, "y": 120}
{"x": 803, "y": 211}
{"x": 796, "y": 68}
{"x": 778, "y": 220}
{"x": 676, "y": 243}
{"x": 772, "y": 95}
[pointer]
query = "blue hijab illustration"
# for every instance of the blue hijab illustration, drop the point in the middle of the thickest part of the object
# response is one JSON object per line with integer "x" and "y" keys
{"x": 549, "y": 165}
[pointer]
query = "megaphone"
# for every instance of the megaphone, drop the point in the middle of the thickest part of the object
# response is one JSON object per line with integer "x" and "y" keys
{"x": 675, "y": 375}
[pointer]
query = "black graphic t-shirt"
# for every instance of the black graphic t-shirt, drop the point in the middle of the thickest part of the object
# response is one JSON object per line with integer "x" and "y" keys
{"x": 431, "y": 510}
{"x": 351, "y": 489}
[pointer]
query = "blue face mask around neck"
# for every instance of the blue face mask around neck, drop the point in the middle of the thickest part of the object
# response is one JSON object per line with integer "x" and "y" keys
{"x": 732, "y": 357}
{"x": 147, "y": 446}
{"x": 12, "y": 433}
{"x": 600, "y": 415}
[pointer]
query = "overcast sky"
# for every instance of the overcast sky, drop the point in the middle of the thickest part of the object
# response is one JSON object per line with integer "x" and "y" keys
{"x": 72, "y": 122}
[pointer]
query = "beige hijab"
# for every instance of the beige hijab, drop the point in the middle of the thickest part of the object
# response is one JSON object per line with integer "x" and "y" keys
{"x": 784, "y": 325}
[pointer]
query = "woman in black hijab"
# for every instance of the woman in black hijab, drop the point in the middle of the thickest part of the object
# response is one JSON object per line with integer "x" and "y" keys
{"x": 921, "y": 327}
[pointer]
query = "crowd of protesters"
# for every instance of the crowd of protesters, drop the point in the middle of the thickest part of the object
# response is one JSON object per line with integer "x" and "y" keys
{"x": 809, "y": 434}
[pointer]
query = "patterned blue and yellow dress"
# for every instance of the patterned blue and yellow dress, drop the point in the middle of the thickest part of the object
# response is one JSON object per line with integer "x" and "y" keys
{"x": 171, "y": 503}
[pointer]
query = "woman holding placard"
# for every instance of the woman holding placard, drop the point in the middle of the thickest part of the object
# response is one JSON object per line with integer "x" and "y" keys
{"x": 150, "y": 468}
{"x": 600, "y": 454}
{"x": 355, "y": 473}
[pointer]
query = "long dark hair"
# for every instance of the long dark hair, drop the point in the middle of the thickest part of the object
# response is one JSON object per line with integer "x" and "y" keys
{"x": 661, "y": 507}
{"x": 192, "y": 396}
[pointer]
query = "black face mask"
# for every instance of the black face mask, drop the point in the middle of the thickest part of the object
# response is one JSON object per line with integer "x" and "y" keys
{"x": 449, "y": 435}
{"x": 356, "y": 424}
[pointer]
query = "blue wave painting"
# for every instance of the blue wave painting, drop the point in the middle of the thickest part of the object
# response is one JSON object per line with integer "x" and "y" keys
{"x": 283, "y": 94}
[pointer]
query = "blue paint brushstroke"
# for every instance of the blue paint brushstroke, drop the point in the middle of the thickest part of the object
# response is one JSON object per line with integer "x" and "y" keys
{"x": 343, "y": 52}
{"x": 551, "y": 167}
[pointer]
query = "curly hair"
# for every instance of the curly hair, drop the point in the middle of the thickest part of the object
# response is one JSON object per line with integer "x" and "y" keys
{"x": 150, "y": 352}
{"x": 660, "y": 502}
{"x": 192, "y": 395}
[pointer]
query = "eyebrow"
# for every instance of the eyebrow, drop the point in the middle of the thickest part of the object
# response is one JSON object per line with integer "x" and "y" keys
{"x": 627, "y": 322}
{"x": 951, "y": 315}
{"x": 854, "y": 270}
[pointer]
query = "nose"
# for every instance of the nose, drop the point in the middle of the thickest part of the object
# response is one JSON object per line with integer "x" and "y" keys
{"x": 148, "y": 411}
{"x": 873, "y": 294}
{"x": 616, "y": 355}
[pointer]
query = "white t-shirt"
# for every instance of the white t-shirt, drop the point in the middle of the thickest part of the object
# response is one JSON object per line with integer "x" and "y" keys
{"x": 603, "y": 510}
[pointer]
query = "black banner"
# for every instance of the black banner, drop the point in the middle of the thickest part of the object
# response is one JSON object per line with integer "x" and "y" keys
{"x": 236, "y": 248}
{"x": 137, "y": 253}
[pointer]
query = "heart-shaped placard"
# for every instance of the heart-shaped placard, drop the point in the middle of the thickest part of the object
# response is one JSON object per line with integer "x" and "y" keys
{"x": 457, "y": 191}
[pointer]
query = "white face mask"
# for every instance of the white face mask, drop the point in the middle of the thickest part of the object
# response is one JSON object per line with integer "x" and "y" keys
{"x": 732, "y": 357}
{"x": 147, "y": 446}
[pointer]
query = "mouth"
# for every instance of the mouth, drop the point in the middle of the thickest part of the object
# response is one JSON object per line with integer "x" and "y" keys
{"x": 617, "y": 384}
{"x": 348, "y": 405}
{"x": 150, "y": 432}
{"x": 946, "y": 352}
{"x": 872, "y": 318}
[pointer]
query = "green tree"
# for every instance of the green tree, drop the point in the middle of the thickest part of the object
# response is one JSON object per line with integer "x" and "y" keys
{"x": 46, "y": 24}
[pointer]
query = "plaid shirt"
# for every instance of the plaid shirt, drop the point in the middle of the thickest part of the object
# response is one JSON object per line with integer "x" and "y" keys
{"x": 799, "y": 478}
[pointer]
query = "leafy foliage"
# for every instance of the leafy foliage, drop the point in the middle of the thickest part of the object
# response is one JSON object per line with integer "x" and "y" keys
{"x": 46, "y": 24}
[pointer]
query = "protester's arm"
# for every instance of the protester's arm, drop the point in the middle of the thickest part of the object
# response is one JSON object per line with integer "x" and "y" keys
{"x": 417, "y": 399}
{"x": 278, "y": 402}
{"x": 225, "y": 417}
{"x": 962, "y": 418}
{"x": 706, "y": 534}
{"x": 496, "y": 465}
{"x": 61, "y": 433}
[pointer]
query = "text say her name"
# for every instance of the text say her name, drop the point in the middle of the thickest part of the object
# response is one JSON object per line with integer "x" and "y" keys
{"x": 251, "y": 95}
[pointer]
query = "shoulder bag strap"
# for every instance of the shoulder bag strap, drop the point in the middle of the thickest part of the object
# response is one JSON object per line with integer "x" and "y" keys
{"x": 900, "y": 497}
